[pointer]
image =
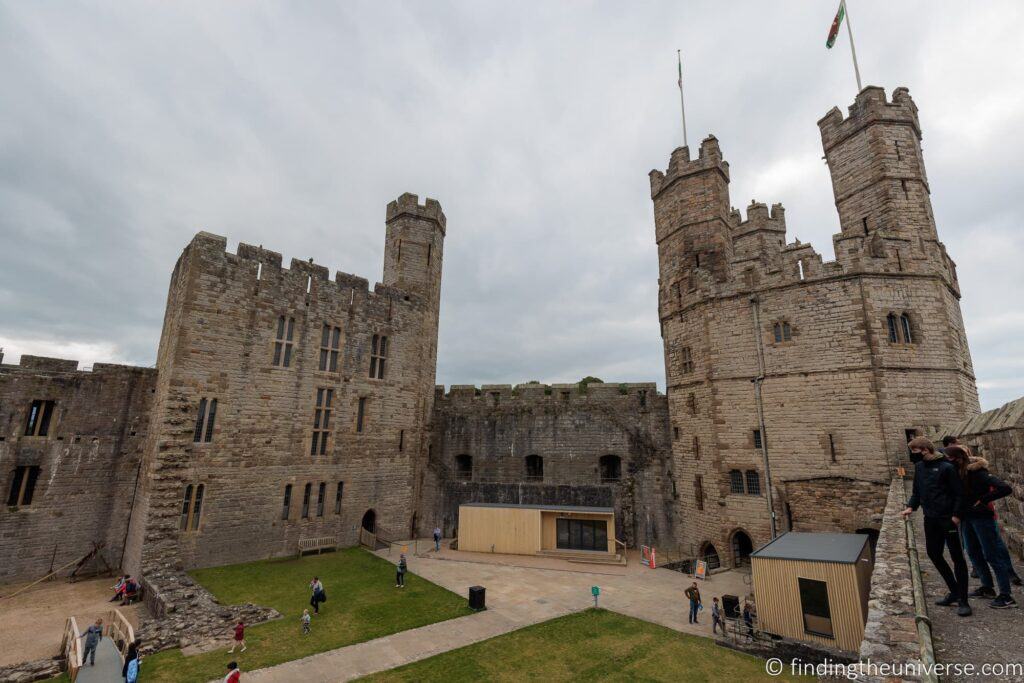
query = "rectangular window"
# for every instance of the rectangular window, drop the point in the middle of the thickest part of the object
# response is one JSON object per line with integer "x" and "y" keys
{"x": 691, "y": 403}
{"x": 735, "y": 481}
{"x": 23, "y": 485}
{"x": 330, "y": 343}
{"x": 321, "y": 494}
{"x": 698, "y": 491}
{"x": 286, "y": 507}
{"x": 696, "y": 447}
{"x": 401, "y": 440}
{"x": 758, "y": 441}
{"x": 753, "y": 483}
{"x": 305, "y": 500}
{"x": 815, "y": 607}
{"x": 284, "y": 341}
{"x": 321, "y": 421}
{"x": 378, "y": 356}
{"x": 205, "y": 419}
{"x": 832, "y": 447}
{"x": 675, "y": 433}
{"x": 39, "y": 415}
{"x": 338, "y": 496}
{"x": 686, "y": 356}
{"x": 361, "y": 414}
{"x": 191, "y": 507}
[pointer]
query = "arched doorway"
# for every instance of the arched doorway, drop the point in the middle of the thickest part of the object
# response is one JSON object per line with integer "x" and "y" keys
{"x": 370, "y": 521}
{"x": 742, "y": 546}
{"x": 710, "y": 556}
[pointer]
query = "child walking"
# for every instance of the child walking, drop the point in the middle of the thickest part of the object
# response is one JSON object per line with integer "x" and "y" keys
{"x": 305, "y": 622}
{"x": 400, "y": 573}
{"x": 239, "y": 637}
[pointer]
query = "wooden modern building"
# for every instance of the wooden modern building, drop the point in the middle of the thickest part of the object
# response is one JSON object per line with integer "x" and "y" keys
{"x": 537, "y": 529}
{"x": 814, "y": 587}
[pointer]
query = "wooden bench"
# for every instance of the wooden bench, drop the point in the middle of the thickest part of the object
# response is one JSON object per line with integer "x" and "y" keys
{"x": 319, "y": 544}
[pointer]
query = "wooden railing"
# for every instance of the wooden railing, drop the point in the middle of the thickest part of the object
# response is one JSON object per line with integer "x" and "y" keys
{"x": 71, "y": 648}
{"x": 120, "y": 631}
{"x": 620, "y": 547}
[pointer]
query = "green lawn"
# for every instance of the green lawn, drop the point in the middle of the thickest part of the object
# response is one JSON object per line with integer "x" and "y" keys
{"x": 594, "y": 645}
{"x": 362, "y": 604}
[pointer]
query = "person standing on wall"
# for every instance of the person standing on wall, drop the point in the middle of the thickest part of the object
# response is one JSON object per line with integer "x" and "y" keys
{"x": 978, "y": 524}
{"x": 939, "y": 492}
{"x": 693, "y": 594}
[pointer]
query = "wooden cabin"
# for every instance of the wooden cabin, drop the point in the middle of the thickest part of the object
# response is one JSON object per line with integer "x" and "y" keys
{"x": 814, "y": 587}
{"x": 557, "y": 530}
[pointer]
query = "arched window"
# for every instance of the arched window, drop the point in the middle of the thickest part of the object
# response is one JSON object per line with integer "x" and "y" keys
{"x": 611, "y": 468}
{"x": 191, "y": 507}
{"x": 735, "y": 481}
{"x": 905, "y": 329}
{"x": 753, "y": 483}
{"x": 464, "y": 467}
{"x": 534, "y": 468}
{"x": 286, "y": 506}
{"x": 782, "y": 332}
{"x": 894, "y": 333}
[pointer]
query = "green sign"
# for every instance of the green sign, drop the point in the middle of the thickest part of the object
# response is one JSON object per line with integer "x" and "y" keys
{"x": 595, "y": 590}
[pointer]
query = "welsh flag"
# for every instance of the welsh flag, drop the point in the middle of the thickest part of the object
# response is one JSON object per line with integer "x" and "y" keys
{"x": 833, "y": 32}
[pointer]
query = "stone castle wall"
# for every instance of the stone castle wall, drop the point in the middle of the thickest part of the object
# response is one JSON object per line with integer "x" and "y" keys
{"x": 744, "y": 312}
{"x": 88, "y": 461}
{"x": 219, "y": 338}
{"x": 571, "y": 428}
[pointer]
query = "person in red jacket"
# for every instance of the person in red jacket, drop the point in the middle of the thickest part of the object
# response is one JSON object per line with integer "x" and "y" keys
{"x": 234, "y": 675}
{"x": 239, "y": 636}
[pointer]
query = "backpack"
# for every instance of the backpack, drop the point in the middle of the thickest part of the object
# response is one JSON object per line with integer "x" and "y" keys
{"x": 133, "y": 671}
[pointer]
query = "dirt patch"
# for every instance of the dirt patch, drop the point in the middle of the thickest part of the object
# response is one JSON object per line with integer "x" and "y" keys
{"x": 32, "y": 623}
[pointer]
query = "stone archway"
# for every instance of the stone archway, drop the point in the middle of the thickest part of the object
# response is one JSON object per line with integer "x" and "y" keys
{"x": 709, "y": 554}
{"x": 742, "y": 546}
{"x": 370, "y": 521}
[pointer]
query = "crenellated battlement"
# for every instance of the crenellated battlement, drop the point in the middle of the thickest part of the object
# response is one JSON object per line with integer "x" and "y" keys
{"x": 869, "y": 107}
{"x": 493, "y": 395}
{"x": 759, "y": 217}
{"x": 265, "y": 266}
{"x": 65, "y": 366}
{"x": 408, "y": 204}
{"x": 709, "y": 158}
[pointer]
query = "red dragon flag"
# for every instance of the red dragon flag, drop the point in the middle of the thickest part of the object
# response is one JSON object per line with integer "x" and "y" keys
{"x": 833, "y": 32}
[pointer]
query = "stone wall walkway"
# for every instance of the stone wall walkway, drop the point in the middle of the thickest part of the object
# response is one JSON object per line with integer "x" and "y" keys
{"x": 516, "y": 597}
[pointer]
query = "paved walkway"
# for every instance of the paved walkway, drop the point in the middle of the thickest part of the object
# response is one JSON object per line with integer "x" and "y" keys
{"x": 517, "y": 596}
{"x": 107, "y": 668}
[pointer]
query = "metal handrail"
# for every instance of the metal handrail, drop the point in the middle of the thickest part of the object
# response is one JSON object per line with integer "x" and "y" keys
{"x": 924, "y": 624}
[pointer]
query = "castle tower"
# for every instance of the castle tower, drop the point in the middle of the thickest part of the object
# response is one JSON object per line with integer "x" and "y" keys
{"x": 793, "y": 376}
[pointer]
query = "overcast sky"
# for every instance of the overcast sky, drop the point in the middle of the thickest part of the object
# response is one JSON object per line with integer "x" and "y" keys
{"x": 127, "y": 127}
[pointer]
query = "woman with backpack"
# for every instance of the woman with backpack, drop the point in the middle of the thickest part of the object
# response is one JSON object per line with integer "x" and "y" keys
{"x": 979, "y": 527}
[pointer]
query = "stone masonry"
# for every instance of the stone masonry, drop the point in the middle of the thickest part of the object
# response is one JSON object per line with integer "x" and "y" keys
{"x": 819, "y": 368}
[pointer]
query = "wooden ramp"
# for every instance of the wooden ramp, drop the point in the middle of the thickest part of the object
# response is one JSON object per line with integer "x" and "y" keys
{"x": 107, "y": 668}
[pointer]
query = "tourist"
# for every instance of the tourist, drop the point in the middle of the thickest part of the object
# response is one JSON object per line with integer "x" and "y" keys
{"x": 716, "y": 617}
{"x": 693, "y": 594}
{"x": 437, "y": 539}
{"x": 234, "y": 674}
{"x": 305, "y": 622}
{"x": 948, "y": 441}
{"x": 978, "y": 524}
{"x": 939, "y": 492}
{"x": 400, "y": 572}
{"x": 132, "y": 661}
{"x": 93, "y": 635}
{"x": 319, "y": 594}
{"x": 119, "y": 588}
{"x": 131, "y": 655}
{"x": 748, "y": 619}
{"x": 130, "y": 591}
{"x": 239, "y": 637}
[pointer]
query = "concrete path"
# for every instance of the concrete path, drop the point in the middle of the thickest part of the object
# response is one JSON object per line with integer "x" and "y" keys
{"x": 517, "y": 596}
{"x": 107, "y": 668}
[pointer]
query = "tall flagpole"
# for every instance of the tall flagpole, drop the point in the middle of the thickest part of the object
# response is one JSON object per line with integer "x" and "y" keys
{"x": 853, "y": 50}
{"x": 682, "y": 105}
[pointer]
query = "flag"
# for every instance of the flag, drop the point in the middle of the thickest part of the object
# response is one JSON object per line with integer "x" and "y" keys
{"x": 680, "y": 71}
{"x": 833, "y": 32}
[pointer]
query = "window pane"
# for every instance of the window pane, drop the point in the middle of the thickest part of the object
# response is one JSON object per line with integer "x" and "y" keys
{"x": 280, "y": 327}
{"x": 198, "y": 435}
{"x": 905, "y": 322}
{"x": 334, "y": 361}
{"x": 325, "y": 335}
{"x": 323, "y": 444}
{"x": 320, "y": 500}
{"x": 210, "y": 420}
{"x": 186, "y": 504}
{"x": 383, "y": 346}
{"x": 197, "y": 507}
{"x": 814, "y": 602}
{"x": 336, "y": 338}
{"x": 19, "y": 475}
{"x": 735, "y": 481}
{"x": 277, "y": 353}
{"x": 380, "y": 369}
{"x": 44, "y": 421}
{"x": 778, "y": 332}
{"x": 286, "y": 507}
{"x": 893, "y": 334}
{"x": 323, "y": 359}
{"x": 291, "y": 328}
{"x": 287, "y": 355}
{"x": 373, "y": 366}
{"x": 373, "y": 345}
{"x": 337, "y": 498}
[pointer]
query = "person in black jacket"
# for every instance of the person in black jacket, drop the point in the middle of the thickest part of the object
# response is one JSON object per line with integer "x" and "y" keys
{"x": 939, "y": 491}
{"x": 978, "y": 524}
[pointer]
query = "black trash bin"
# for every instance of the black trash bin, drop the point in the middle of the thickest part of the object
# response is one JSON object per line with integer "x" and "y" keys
{"x": 476, "y": 597}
